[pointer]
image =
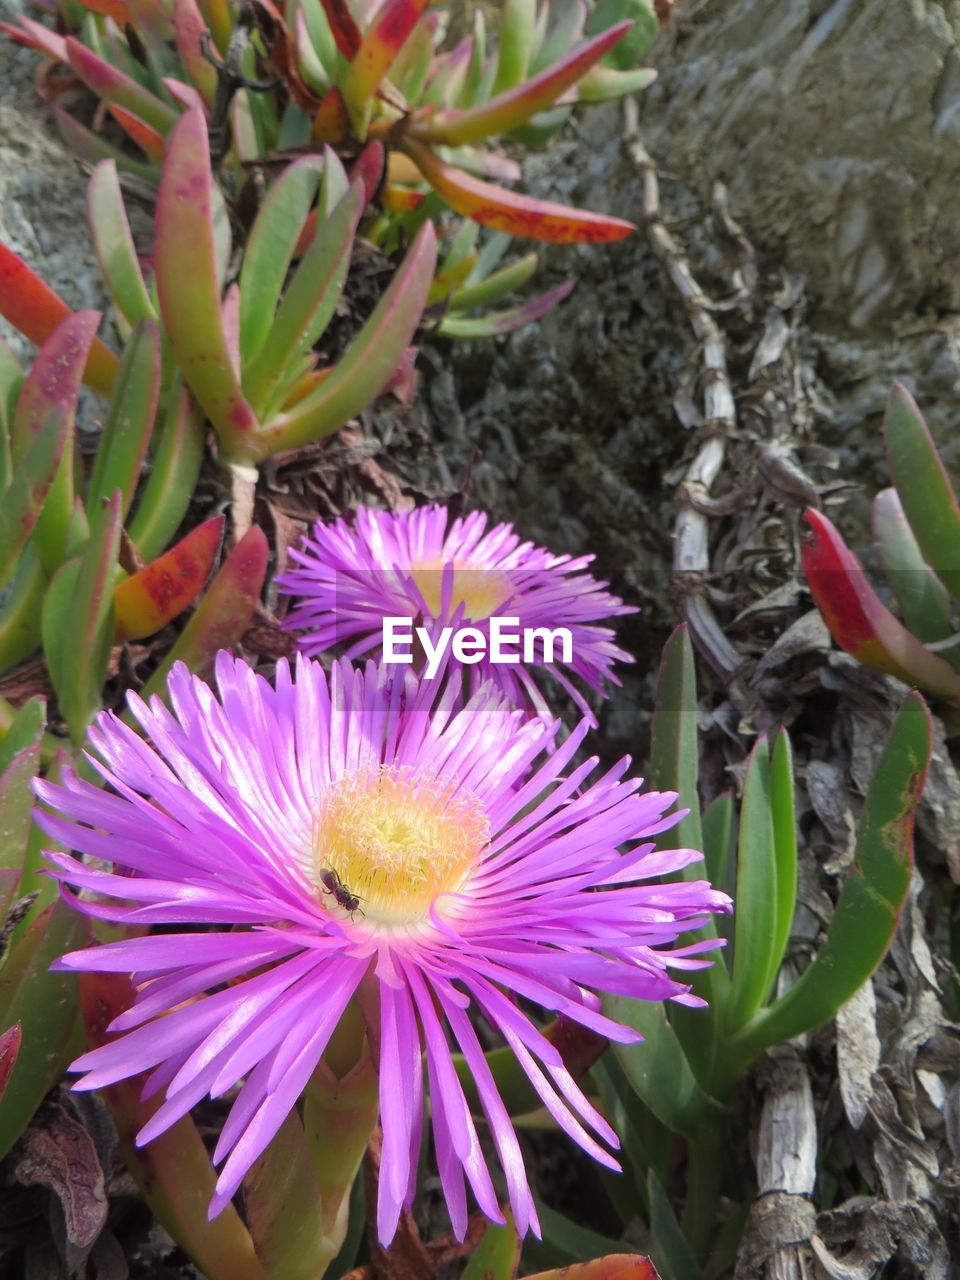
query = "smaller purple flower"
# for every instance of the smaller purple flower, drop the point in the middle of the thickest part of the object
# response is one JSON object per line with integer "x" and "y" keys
{"x": 352, "y": 574}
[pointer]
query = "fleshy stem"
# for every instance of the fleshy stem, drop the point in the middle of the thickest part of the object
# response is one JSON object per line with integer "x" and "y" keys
{"x": 297, "y": 1196}
{"x": 341, "y": 1107}
{"x": 705, "y": 1164}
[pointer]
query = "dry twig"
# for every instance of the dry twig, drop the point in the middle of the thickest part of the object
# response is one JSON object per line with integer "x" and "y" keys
{"x": 691, "y": 551}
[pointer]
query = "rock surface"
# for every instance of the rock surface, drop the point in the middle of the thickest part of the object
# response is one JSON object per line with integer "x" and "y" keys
{"x": 836, "y": 126}
{"x": 42, "y": 212}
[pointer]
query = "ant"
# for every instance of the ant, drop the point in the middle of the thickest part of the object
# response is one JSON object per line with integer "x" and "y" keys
{"x": 335, "y": 886}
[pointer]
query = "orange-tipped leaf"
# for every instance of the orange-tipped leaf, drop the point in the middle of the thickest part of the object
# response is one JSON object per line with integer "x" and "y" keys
{"x": 508, "y": 211}
{"x": 380, "y": 45}
{"x": 154, "y": 596}
{"x": 33, "y": 308}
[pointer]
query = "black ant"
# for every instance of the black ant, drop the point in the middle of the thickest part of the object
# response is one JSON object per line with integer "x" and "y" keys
{"x": 335, "y": 886}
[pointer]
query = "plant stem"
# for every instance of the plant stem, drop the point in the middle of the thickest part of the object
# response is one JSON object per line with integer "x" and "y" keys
{"x": 704, "y": 1179}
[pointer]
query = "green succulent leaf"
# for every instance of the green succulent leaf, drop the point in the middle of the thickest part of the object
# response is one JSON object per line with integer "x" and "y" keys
{"x": 644, "y": 31}
{"x": 334, "y": 184}
{"x": 23, "y": 500}
{"x": 565, "y": 31}
{"x": 922, "y": 597}
{"x": 11, "y": 382}
{"x": 284, "y": 1207}
{"x": 51, "y": 388}
{"x": 658, "y": 1068}
{"x": 114, "y": 247}
{"x": 517, "y": 26}
{"x": 78, "y": 621}
{"x": 470, "y": 94}
{"x": 20, "y": 611}
{"x": 45, "y": 1005}
{"x": 673, "y": 767}
{"x": 16, "y": 807}
{"x": 309, "y": 301}
{"x": 717, "y": 824}
{"x": 496, "y": 1257}
{"x": 172, "y": 480}
{"x": 870, "y": 902}
{"x": 129, "y": 426}
{"x": 783, "y": 813}
{"x": 92, "y": 148}
{"x": 514, "y": 107}
{"x": 23, "y": 731}
{"x": 601, "y": 84}
{"x": 371, "y": 360}
{"x": 921, "y": 480}
{"x": 756, "y": 896}
{"x": 188, "y": 266}
{"x": 269, "y": 250}
{"x": 668, "y": 1246}
{"x": 113, "y": 85}
{"x": 319, "y": 34}
{"x": 495, "y": 323}
{"x": 494, "y": 286}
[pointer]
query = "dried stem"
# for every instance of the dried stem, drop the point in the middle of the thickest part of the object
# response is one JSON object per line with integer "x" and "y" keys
{"x": 776, "y": 1242}
{"x": 691, "y": 551}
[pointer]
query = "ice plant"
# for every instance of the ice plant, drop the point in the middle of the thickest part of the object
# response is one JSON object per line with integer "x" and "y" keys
{"x": 88, "y": 560}
{"x": 247, "y": 822}
{"x": 349, "y": 575}
{"x": 34, "y": 1003}
{"x": 268, "y": 81}
{"x": 916, "y": 529}
{"x": 685, "y": 1073}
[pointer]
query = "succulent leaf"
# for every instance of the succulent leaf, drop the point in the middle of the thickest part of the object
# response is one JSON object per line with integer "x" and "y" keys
{"x": 188, "y": 284}
{"x": 35, "y": 310}
{"x": 129, "y": 425}
{"x": 858, "y": 619}
{"x": 928, "y": 498}
{"x": 508, "y": 211}
{"x": 224, "y": 613}
{"x": 371, "y": 360}
{"x": 113, "y": 243}
{"x": 921, "y": 595}
{"x": 155, "y": 595}
{"x": 515, "y": 106}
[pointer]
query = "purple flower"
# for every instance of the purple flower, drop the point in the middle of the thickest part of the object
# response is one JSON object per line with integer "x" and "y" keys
{"x": 482, "y": 876}
{"x": 350, "y": 576}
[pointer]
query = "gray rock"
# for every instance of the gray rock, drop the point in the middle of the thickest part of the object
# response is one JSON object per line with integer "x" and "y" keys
{"x": 836, "y": 127}
{"x": 42, "y": 212}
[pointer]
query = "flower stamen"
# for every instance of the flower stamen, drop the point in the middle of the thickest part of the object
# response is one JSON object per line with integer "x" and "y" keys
{"x": 396, "y": 838}
{"x": 480, "y": 591}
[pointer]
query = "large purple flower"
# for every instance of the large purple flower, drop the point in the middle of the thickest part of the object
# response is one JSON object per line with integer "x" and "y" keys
{"x": 481, "y": 876}
{"x": 420, "y": 565}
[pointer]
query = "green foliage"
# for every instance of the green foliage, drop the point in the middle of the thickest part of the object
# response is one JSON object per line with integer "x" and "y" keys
{"x": 685, "y": 1071}
{"x": 916, "y": 527}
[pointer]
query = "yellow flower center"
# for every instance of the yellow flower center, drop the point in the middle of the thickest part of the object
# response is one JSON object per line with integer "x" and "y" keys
{"x": 393, "y": 839}
{"x": 480, "y": 591}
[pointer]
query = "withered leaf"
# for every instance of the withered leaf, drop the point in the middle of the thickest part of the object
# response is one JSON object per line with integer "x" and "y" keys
{"x": 58, "y": 1152}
